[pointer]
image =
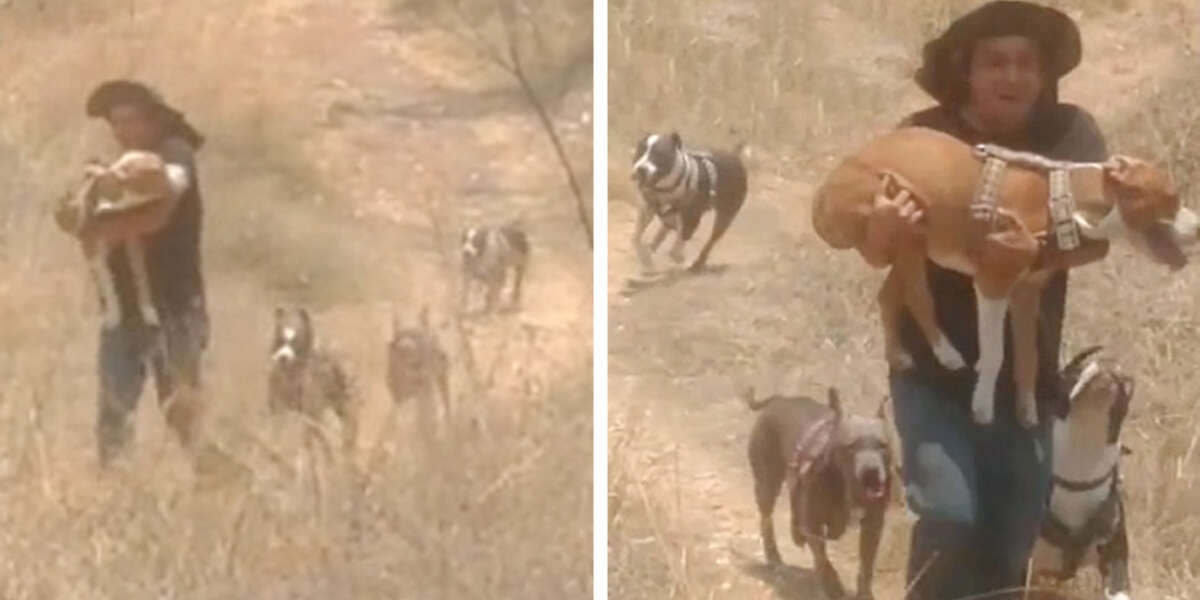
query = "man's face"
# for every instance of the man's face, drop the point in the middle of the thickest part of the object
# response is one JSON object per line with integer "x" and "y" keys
{"x": 132, "y": 126}
{"x": 1005, "y": 79}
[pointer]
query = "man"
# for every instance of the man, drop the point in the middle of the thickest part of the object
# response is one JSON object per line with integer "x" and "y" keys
{"x": 979, "y": 492}
{"x": 140, "y": 120}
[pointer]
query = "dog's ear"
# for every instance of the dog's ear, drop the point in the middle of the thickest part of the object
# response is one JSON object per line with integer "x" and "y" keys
{"x": 640, "y": 148}
{"x": 835, "y": 403}
{"x": 1071, "y": 372}
{"x": 675, "y": 139}
{"x": 1117, "y": 168}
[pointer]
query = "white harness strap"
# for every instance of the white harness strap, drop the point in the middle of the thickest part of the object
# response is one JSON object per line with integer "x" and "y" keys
{"x": 1061, "y": 203}
{"x": 1062, "y": 210}
{"x": 983, "y": 206}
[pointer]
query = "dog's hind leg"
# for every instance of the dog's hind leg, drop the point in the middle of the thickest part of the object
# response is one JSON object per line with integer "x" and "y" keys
{"x": 1024, "y": 317}
{"x": 141, "y": 282}
{"x": 891, "y": 300}
{"x": 721, "y": 223}
{"x": 766, "y": 490}
{"x": 518, "y": 279}
{"x": 915, "y": 282}
{"x": 98, "y": 264}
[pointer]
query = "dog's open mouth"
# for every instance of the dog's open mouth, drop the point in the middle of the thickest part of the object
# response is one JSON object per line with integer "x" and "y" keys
{"x": 873, "y": 485}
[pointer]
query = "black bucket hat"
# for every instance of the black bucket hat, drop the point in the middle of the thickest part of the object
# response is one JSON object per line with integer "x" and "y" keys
{"x": 943, "y": 68}
{"x": 122, "y": 91}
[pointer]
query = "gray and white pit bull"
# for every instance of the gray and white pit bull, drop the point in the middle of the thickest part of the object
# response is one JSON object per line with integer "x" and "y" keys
{"x": 839, "y": 471}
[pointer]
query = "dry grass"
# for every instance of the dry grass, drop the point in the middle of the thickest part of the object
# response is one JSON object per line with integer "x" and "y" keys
{"x": 805, "y": 82}
{"x": 496, "y": 505}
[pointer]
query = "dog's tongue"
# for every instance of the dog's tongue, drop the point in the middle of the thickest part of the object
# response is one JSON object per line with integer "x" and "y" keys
{"x": 1162, "y": 244}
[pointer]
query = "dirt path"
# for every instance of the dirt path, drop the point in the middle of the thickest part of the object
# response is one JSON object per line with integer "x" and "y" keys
{"x": 781, "y": 311}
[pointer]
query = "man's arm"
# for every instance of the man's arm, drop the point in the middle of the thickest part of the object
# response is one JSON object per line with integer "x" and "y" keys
{"x": 164, "y": 186}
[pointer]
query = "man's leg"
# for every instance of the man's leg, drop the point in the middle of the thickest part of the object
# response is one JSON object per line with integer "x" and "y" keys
{"x": 122, "y": 373}
{"x": 939, "y": 483}
{"x": 177, "y": 370}
{"x": 1015, "y": 479}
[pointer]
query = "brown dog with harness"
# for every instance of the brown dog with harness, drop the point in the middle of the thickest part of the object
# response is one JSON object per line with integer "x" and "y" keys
{"x": 1008, "y": 219}
{"x": 837, "y": 468}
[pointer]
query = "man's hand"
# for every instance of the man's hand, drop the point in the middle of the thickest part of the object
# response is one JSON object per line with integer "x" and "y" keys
{"x": 895, "y": 217}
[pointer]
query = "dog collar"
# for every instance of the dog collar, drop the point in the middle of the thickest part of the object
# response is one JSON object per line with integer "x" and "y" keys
{"x": 1072, "y": 485}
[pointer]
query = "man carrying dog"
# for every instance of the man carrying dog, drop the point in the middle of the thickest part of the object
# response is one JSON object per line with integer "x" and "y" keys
{"x": 140, "y": 120}
{"x": 979, "y": 492}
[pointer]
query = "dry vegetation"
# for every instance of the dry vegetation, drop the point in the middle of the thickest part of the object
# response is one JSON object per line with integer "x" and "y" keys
{"x": 347, "y": 144}
{"x": 805, "y": 82}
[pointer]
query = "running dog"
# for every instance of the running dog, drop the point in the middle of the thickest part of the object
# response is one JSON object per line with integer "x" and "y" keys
{"x": 488, "y": 255}
{"x": 678, "y": 186}
{"x": 417, "y": 366}
{"x": 838, "y": 467}
{"x": 307, "y": 378}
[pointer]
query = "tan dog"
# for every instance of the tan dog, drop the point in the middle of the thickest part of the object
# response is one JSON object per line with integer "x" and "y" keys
{"x": 117, "y": 204}
{"x": 1010, "y": 251}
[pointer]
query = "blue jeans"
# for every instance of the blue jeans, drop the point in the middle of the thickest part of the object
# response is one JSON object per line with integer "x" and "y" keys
{"x": 979, "y": 493}
{"x": 173, "y": 354}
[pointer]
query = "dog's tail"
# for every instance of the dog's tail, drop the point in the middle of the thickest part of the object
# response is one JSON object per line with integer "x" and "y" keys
{"x": 747, "y": 397}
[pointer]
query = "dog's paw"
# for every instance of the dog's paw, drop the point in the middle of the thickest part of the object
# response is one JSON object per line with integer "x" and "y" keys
{"x": 947, "y": 355}
{"x": 1027, "y": 414}
{"x": 900, "y": 360}
{"x": 645, "y": 258}
{"x": 983, "y": 406}
{"x": 676, "y": 255}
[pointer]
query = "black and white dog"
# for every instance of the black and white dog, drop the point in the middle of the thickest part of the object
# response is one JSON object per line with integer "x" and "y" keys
{"x": 306, "y": 378}
{"x": 488, "y": 254}
{"x": 1085, "y": 522}
{"x": 679, "y": 186}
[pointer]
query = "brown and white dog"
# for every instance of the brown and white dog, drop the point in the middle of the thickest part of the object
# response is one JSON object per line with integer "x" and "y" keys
{"x": 488, "y": 255}
{"x": 838, "y": 467}
{"x": 1010, "y": 248}
{"x": 678, "y": 186}
{"x": 307, "y": 378}
{"x": 1084, "y": 524}
{"x": 117, "y": 204}
{"x": 417, "y": 366}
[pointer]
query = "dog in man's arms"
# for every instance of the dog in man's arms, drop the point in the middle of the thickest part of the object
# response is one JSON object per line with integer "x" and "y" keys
{"x": 837, "y": 468}
{"x": 678, "y": 186}
{"x": 1085, "y": 522}
{"x": 117, "y": 204}
{"x": 1009, "y": 220}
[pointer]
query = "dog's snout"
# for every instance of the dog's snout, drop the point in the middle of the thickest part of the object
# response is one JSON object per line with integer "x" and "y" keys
{"x": 284, "y": 354}
{"x": 1186, "y": 227}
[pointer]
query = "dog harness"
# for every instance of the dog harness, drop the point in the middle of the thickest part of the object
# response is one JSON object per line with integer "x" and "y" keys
{"x": 1061, "y": 202}
{"x": 700, "y": 184}
{"x": 812, "y": 450}
{"x": 1098, "y": 528}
